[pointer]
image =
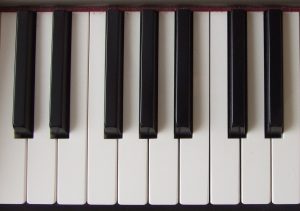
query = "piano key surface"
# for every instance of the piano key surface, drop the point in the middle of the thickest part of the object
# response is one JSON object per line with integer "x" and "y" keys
{"x": 286, "y": 151}
{"x": 273, "y": 74}
{"x": 255, "y": 148}
{"x": 13, "y": 151}
{"x": 194, "y": 152}
{"x": 113, "y": 124}
{"x": 23, "y": 116}
{"x": 237, "y": 74}
{"x": 183, "y": 84}
{"x": 148, "y": 74}
{"x": 72, "y": 152}
{"x": 60, "y": 74}
{"x": 161, "y": 179}
{"x": 102, "y": 153}
{"x": 42, "y": 151}
{"x": 224, "y": 152}
{"x": 163, "y": 151}
{"x": 132, "y": 151}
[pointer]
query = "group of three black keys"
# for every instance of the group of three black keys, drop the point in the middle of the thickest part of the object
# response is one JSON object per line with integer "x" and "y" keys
{"x": 23, "y": 111}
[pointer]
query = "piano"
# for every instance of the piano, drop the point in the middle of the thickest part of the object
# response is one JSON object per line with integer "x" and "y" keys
{"x": 112, "y": 105}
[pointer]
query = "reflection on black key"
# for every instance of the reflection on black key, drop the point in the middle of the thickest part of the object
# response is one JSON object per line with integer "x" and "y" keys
{"x": 183, "y": 74}
{"x": 23, "y": 116}
{"x": 148, "y": 74}
{"x": 60, "y": 79}
{"x": 273, "y": 74}
{"x": 113, "y": 121}
{"x": 237, "y": 74}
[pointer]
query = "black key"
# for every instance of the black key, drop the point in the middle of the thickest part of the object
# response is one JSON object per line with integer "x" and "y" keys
{"x": 273, "y": 73}
{"x": 183, "y": 74}
{"x": 23, "y": 116}
{"x": 61, "y": 73}
{"x": 113, "y": 122}
{"x": 237, "y": 74}
{"x": 148, "y": 74}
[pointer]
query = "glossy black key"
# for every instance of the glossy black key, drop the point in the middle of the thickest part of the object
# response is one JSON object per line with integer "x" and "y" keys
{"x": 23, "y": 115}
{"x": 148, "y": 74}
{"x": 237, "y": 74}
{"x": 61, "y": 73}
{"x": 273, "y": 73}
{"x": 113, "y": 120}
{"x": 183, "y": 125}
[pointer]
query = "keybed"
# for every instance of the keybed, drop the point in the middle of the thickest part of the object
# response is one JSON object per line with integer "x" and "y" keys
{"x": 148, "y": 106}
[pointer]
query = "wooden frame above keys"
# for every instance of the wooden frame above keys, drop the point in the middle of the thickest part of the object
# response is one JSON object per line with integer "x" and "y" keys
{"x": 149, "y": 2}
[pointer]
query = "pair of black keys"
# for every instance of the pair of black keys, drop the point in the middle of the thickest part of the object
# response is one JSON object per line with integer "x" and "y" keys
{"x": 23, "y": 111}
{"x": 237, "y": 74}
{"x": 183, "y": 121}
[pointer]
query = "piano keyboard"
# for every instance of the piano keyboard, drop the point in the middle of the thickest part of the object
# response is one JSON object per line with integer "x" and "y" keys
{"x": 158, "y": 107}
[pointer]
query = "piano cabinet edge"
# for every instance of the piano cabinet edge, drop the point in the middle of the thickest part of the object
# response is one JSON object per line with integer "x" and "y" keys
{"x": 149, "y": 2}
{"x": 138, "y": 5}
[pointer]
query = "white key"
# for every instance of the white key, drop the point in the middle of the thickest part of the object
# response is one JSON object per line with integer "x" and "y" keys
{"x": 194, "y": 153}
{"x": 224, "y": 152}
{"x": 286, "y": 151}
{"x": 13, "y": 152}
{"x": 42, "y": 154}
{"x": 102, "y": 153}
{"x": 132, "y": 151}
{"x": 255, "y": 149}
{"x": 163, "y": 151}
{"x": 72, "y": 152}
